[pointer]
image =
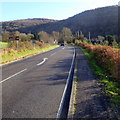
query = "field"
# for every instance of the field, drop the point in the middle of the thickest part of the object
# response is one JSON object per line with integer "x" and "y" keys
{"x": 3, "y": 44}
{"x": 9, "y": 54}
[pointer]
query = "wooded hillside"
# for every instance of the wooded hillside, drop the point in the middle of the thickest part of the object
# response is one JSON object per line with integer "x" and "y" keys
{"x": 101, "y": 21}
{"x": 17, "y": 24}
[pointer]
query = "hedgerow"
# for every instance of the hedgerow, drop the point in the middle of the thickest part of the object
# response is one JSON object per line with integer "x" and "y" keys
{"x": 107, "y": 57}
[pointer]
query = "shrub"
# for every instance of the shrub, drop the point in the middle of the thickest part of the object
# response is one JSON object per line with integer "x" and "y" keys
{"x": 107, "y": 57}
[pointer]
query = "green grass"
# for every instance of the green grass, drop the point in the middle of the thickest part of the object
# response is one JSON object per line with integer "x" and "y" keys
{"x": 22, "y": 54}
{"x": 3, "y": 44}
{"x": 97, "y": 70}
{"x": 110, "y": 85}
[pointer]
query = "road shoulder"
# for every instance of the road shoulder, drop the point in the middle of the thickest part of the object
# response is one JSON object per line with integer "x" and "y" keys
{"x": 89, "y": 103}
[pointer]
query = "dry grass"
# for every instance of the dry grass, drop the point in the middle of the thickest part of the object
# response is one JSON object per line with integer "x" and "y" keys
{"x": 25, "y": 49}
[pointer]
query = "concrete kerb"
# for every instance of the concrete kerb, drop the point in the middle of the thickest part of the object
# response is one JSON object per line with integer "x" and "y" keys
{"x": 65, "y": 101}
{"x": 71, "y": 111}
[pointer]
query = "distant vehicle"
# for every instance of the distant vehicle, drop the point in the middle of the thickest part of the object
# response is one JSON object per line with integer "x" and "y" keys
{"x": 62, "y": 44}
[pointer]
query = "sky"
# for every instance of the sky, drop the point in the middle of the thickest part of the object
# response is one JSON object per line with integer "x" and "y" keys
{"x": 51, "y": 9}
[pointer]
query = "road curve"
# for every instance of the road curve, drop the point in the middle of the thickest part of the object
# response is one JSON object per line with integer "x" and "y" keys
{"x": 33, "y": 87}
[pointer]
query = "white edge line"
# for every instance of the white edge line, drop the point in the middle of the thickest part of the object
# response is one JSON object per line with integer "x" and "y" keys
{"x": 66, "y": 85}
{"x": 42, "y": 61}
{"x": 72, "y": 97}
{"x": 12, "y": 76}
{"x": 53, "y": 54}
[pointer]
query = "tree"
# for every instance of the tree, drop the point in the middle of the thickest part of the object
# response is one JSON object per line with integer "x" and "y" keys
{"x": 101, "y": 38}
{"x": 110, "y": 39}
{"x": 23, "y": 37}
{"x": 36, "y": 36}
{"x": 5, "y": 36}
{"x": 43, "y": 36}
{"x": 30, "y": 36}
{"x": 67, "y": 35}
{"x": 56, "y": 36}
{"x": 80, "y": 35}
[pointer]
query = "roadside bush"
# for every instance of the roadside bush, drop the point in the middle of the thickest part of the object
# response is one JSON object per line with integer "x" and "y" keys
{"x": 107, "y": 57}
{"x": 22, "y": 46}
{"x": 105, "y": 61}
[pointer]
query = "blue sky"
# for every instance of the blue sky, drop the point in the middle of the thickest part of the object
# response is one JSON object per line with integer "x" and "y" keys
{"x": 14, "y": 10}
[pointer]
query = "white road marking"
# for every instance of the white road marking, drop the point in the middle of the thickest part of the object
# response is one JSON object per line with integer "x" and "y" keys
{"x": 42, "y": 61}
{"x": 53, "y": 54}
{"x": 12, "y": 76}
{"x": 59, "y": 110}
{"x": 57, "y": 52}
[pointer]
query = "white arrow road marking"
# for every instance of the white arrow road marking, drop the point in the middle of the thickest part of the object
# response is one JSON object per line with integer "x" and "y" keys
{"x": 42, "y": 61}
{"x": 12, "y": 76}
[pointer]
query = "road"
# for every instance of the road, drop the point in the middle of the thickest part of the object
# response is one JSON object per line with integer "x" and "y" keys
{"x": 33, "y": 87}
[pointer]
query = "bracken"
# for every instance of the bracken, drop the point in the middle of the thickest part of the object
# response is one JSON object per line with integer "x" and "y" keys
{"x": 107, "y": 57}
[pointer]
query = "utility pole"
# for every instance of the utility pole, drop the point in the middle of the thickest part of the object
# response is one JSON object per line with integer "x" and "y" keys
{"x": 78, "y": 34}
{"x": 17, "y": 40}
{"x": 89, "y": 36}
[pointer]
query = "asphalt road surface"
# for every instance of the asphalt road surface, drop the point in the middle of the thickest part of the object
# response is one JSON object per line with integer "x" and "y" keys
{"x": 33, "y": 87}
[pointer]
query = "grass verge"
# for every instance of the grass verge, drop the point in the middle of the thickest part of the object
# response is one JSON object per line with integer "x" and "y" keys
{"x": 75, "y": 90}
{"x": 110, "y": 86}
{"x": 3, "y": 44}
{"x": 22, "y": 54}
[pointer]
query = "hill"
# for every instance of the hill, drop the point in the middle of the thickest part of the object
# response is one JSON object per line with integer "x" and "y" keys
{"x": 99, "y": 21}
{"x": 17, "y": 24}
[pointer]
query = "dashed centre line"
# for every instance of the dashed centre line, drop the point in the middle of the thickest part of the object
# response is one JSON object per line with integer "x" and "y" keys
{"x": 53, "y": 54}
{"x": 13, "y": 75}
{"x": 57, "y": 52}
{"x": 26, "y": 68}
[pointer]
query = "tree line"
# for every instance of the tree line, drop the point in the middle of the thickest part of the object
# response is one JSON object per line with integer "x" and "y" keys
{"x": 64, "y": 36}
{"x": 54, "y": 38}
